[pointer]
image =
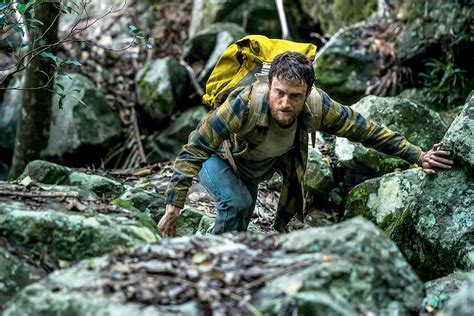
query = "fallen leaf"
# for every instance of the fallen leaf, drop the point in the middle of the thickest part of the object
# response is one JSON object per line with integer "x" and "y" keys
{"x": 143, "y": 172}
{"x": 293, "y": 288}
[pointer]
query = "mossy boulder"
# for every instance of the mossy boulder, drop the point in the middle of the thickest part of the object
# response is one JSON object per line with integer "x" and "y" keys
{"x": 68, "y": 223}
{"x": 203, "y": 50}
{"x": 83, "y": 123}
{"x": 408, "y": 118}
{"x": 346, "y": 69}
{"x": 101, "y": 186}
{"x": 439, "y": 291}
{"x": 166, "y": 144}
{"x": 342, "y": 270}
{"x": 382, "y": 200}
{"x": 318, "y": 177}
{"x": 333, "y": 15}
{"x": 161, "y": 87}
{"x": 15, "y": 274}
{"x": 46, "y": 172}
{"x": 462, "y": 303}
{"x": 251, "y": 14}
{"x": 435, "y": 231}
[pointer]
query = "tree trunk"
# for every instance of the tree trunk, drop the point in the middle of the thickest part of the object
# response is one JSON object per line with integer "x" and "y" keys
{"x": 32, "y": 131}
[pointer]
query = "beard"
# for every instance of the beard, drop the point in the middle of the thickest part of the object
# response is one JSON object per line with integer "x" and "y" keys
{"x": 283, "y": 118}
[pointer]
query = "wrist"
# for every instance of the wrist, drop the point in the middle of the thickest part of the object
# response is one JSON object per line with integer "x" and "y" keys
{"x": 421, "y": 158}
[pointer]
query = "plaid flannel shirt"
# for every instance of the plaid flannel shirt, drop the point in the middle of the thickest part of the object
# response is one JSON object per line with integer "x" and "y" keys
{"x": 226, "y": 121}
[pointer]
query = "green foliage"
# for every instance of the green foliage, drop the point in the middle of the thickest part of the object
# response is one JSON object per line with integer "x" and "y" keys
{"x": 445, "y": 80}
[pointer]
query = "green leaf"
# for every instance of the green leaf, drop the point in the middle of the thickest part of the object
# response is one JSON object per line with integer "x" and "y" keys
{"x": 199, "y": 257}
{"x": 60, "y": 86}
{"x": 3, "y": 22}
{"x": 72, "y": 62}
{"x": 49, "y": 55}
{"x": 62, "y": 96}
{"x": 149, "y": 45}
{"x": 132, "y": 29}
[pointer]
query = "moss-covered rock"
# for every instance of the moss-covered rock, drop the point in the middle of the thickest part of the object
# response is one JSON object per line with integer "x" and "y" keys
{"x": 400, "y": 115}
{"x": 99, "y": 185}
{"x": 345, "y": 70}
{"x": 435, "y": 231}
{"x": 168, "y": 143}
{"x": 439, "y": 291}
{"x": 206, "y": 46}
{"x": 318, "y": 177}
{"x": 161, "y": 85}
{"x": 333, "y": 15}
{"x": 462, "y": 303}
{"x": 46, "y": 172}
{"x": 67, "y": 223}
{"x": 15, "y": 274}
{"x": 382, "y": 200}
{"x": 341, "y": 269}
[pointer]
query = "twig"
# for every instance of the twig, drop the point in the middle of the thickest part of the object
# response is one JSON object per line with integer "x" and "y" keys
{"x": 136, "y": 130}
{"x": 192, "y": 76}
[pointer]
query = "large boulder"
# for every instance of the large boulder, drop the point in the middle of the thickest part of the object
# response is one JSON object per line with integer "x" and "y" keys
{"x": 439, "y": 291}
{"x": 435, "y": 232}
{"x": 462, "y": 303}
{"x": 347, "y": 68}
{"x": 203, "y": 50}
{"x": 161, "y": 87}
{"x": 15, "y": 274}
{"x": 382, "y": 200}
{"x": 51, "y": 173}
{"x": 345, "y": 269}
{"x": 166, "y": 145}
{"x": 401, "y": 115}
{"x": 334, "y": 15}
{"x": 68, "y": 223}
{"x": 318, "y": 177}
{"x": 81, "y": 123}
{"x": 257, "y": 17}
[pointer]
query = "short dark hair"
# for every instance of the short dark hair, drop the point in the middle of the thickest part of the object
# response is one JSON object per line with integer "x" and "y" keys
{"x": 292, "y": 66}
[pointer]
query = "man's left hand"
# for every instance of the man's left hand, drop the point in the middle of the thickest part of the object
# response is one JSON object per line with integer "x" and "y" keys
{"x": 435, "y": 158}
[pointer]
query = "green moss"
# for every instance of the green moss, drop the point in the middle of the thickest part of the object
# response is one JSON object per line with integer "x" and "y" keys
{"x": 125, "y": 204}
{"x": 356, "y": 204}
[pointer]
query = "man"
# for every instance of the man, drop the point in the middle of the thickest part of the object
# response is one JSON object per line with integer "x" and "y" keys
{"x": 278, "y": 143}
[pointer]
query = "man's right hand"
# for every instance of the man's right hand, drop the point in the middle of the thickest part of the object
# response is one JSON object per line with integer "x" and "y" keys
{"x": 167, "y": 224}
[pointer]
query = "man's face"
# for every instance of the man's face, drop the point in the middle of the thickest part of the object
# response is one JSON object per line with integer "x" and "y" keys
{"x": 286, "y": 99}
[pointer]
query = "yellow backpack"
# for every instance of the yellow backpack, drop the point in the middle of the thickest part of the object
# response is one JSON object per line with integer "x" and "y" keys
{"x": 244, "y": 59}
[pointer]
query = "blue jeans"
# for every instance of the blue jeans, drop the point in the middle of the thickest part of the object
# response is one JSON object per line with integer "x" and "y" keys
{"x": 235, "y": 198}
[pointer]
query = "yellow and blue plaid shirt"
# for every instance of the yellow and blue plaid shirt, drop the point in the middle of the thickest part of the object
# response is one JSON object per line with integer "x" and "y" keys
{"x": 226, "y": 121}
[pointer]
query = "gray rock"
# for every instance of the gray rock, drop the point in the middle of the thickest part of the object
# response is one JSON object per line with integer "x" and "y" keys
{"x": 161, "y": 85}
{"x": 68, "y": 223}
{"x": 435, "y": 231}
{"x": 382, "y": 200}
{"x": 400, "y": 115}
{"x": 99, "y": 185}
{"x": 346, "y": 68}
{"x": 207, "y": 46}
{"x": 334, "y": 15}
{"x": 439, "y": 291}
{"x": 249, "y": 13}
{"x": 14, "y": 275}
{"x": 46, "y": 172}
{"x": 77, "y": 126}
{"x": 345, "y": 269}
{"x": 318, "y": 177}
{"x": 462, "y": 303}
{"x": 168, "y": 143}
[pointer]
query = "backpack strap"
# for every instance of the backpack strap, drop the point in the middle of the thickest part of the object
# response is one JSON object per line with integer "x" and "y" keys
{"x": 259, "y": 90}
{"x": 314, "y": 105}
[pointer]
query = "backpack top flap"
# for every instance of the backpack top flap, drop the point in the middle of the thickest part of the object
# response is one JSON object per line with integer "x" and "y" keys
{"x": 242, "y": 60}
